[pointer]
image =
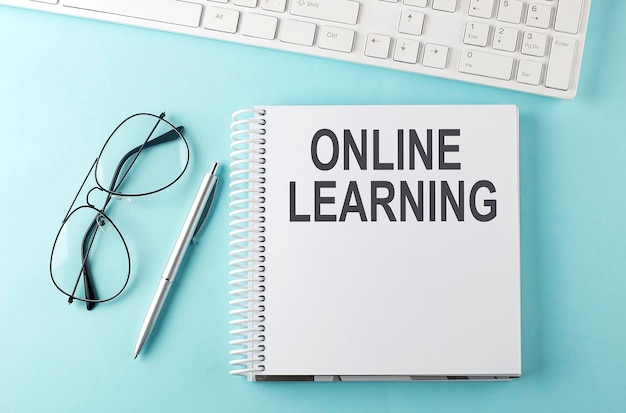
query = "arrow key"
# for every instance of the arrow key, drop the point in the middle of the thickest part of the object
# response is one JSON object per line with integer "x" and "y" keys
{"x": 406, "y": 51}
{"x": 435, "y": 55}
{"x": 377, "y": 46}
{"x": 411, "y": 22}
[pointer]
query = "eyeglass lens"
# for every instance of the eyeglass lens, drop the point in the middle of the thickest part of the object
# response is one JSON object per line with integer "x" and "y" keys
{"x": 132, "y": 164}
{"x": 90, "y": 247}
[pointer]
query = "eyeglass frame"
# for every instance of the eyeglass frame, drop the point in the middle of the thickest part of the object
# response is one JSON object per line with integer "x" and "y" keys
{"x": 171, "y": 135}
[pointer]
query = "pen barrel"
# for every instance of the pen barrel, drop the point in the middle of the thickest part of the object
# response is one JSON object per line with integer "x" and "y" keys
{"x": 191, "y": 223}
{"x": 153, "y": 313}
{"x": 197, "y": 211}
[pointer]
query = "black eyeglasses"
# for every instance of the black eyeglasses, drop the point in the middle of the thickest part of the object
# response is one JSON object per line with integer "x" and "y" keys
{"x": 143, "y": 155}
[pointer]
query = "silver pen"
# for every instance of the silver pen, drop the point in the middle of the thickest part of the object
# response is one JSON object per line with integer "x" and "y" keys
{"x": 194, "y": 222}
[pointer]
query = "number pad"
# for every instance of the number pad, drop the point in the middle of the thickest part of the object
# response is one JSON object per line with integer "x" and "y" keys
{"x": 532, "y": 46}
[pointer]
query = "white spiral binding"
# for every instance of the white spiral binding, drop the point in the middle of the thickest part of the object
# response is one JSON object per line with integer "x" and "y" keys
{"x": 247, "y": 241}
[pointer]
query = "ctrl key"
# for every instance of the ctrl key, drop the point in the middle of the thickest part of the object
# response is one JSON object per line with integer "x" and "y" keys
{"x": 561, "y": 63}
{"x": 335, "y": 38}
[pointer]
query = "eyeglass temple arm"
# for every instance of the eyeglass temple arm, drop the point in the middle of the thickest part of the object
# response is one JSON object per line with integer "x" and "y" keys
{"x": 90, "y": 293}
{"x": 166, "y": 137}
{"x": 67, "y": 214}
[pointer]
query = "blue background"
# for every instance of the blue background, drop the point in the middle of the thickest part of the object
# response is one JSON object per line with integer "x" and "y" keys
{"x": 65, "y": 82}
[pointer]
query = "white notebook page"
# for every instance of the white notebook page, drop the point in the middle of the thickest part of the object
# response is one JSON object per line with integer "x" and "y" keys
{"x": 403, "y": 297}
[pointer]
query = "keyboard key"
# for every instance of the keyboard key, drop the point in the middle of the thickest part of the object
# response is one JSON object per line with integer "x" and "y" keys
{"x": 411, "y": 22}
{"x": 539, "y": 16}
{"x": 505, "y": 38}
{"x": 174, "y": 12}
{"x": 221, "y": 20}
{"x": 534, "y": 44}
{"x": 260, "y": 26}
{"x": 297, "y": 32}
{"x": 476, "y": 34}
{"x": 245, "y": 3}
{"x": 445, "y": 5}
{"x": 568, "y": 16}
{"x": 510, "y": 11}
{"x": 377, "y": 46}
{"x": 481, "y": 8}
{"x": 486, "y": 64}
{"x": 336, "y": 38}
{"x": 406, "y": 51}
{"x": 338, "y": 11}
{"x": 274, "y": 5}
{"x": 436, "y": 56}
{"x": 416, "y": 3}
{"x": 560, "y": 64}
{"x": 529, "y": 72}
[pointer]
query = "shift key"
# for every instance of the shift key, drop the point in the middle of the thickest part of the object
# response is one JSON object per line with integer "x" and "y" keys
{"x": 338, "y": 11}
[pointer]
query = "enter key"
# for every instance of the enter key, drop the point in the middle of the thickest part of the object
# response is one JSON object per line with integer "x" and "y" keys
{"x": 561, "y": 63}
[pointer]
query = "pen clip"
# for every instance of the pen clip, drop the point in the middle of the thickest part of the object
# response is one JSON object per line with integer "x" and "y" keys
{"x": 205, "y": 214}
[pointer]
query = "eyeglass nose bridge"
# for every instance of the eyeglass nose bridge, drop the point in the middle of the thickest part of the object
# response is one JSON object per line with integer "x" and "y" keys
{"x": 97, "y": 191}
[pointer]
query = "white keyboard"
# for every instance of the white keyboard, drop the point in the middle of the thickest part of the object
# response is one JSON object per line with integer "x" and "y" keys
{"x": 533, "y": 46}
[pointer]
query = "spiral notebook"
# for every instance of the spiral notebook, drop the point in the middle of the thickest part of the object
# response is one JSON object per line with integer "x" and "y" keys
{"x": 375, "y": 243}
